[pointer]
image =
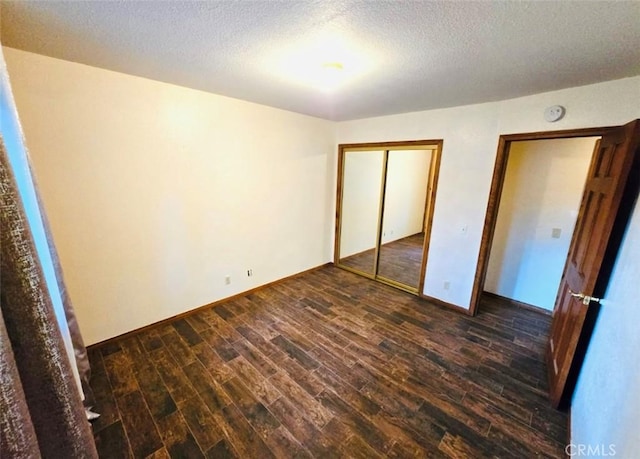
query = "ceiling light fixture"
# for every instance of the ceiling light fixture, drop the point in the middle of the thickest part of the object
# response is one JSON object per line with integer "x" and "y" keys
{"x": 326, "y": 63}
{"x": 331, "y": 75}
{"x": 333, "y": 66}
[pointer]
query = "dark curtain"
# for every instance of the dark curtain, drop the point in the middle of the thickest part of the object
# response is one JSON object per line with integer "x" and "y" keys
{"x": 41, "y": 411}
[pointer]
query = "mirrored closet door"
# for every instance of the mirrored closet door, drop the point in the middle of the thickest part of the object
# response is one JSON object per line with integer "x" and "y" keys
{"x": 385, "y": 203}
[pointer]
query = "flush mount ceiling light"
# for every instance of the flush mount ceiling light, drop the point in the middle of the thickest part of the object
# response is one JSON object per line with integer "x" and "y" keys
{"x": 325, "y": 63}
{"x": 331, "y": 75}
{"x": 332, "y": 66}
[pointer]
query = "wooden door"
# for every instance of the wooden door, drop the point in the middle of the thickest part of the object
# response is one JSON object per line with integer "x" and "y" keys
{"x": 613, "y": 168}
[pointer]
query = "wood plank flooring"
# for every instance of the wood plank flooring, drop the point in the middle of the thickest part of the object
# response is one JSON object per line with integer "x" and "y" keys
{"x": 400, "y": 260}
{"x": 329, "y": 364}
{"x": 362, "y": 261}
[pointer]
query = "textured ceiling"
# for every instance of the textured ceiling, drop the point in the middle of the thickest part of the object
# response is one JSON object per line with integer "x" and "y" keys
{"x": 407, "y": 56}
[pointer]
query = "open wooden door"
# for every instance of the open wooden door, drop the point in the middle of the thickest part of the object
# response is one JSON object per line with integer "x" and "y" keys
{"x": 604, "y": 211}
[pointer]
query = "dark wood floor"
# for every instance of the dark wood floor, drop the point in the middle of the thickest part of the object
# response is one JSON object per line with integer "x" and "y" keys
{"x": 329, "y": 364}
{"x": 399, "y": 260}
{"x": 362, "y": 261}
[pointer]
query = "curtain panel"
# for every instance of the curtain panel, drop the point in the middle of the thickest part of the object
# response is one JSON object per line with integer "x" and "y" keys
{"x": 41, "y": 407}
{"x": 42, "y": 414}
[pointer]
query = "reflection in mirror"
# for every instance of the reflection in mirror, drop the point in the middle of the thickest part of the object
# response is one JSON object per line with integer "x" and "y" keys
{"x": 403, "y": 222}
{"x": 361, "y": 196}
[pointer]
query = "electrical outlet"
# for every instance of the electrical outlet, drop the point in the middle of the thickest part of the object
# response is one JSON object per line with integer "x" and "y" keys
{"x": 446, "y": 285}
{"x": 555, "y": 233}
{"x": 249, "y": 272}
{"x": 227, "y": 280}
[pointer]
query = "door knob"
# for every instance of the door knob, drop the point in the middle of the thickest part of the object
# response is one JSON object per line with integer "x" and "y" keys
{"x": 586, "y": 299}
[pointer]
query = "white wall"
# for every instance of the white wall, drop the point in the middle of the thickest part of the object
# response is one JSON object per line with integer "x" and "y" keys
{"x": 362, "y": 189}
{"x": 542, "y": 190}
{"x": 406, "y": 193}
{"x": 470, "y": 135}
{"x": 606, "y": 404}
{"x": 156, "y": 192}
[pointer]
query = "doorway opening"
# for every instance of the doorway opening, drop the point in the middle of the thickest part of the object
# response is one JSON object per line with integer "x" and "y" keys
{"x": 540, "y": 199}
{"x": 505, "y": 145}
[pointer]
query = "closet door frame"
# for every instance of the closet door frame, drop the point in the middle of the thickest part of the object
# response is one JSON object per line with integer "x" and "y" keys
{"x": 434, "y": 170}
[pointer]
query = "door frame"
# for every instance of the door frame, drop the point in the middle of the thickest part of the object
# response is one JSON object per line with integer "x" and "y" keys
{"x": 432, "y": 184}
{"x": 495, "y": 195}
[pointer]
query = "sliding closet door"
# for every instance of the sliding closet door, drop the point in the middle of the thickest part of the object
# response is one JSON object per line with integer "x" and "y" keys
{"x": 362, "y": 181}
{"x": 385, "y": 203}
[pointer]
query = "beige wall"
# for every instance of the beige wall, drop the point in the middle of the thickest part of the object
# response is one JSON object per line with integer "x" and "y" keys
{"x": 156, "y": 192}
{"x": 542, "y": 190}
